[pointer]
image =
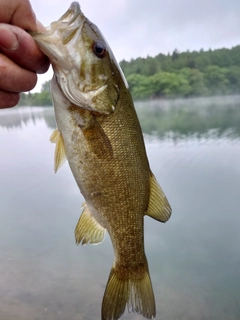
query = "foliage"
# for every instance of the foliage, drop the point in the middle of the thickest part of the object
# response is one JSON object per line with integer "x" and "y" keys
{"x": 214, "y": 116}
{"x": 185, "y": 74}
{"x": 37, "y": 99}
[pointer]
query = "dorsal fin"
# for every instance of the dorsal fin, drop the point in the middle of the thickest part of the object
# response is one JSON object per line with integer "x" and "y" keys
{"x": 59, "y": 155}
{"x": 158, "y": 206}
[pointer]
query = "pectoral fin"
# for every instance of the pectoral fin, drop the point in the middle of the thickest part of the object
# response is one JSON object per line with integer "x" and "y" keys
{"x": 60, "y": 155}
{"x": 158, "y": 206}
{"x": 88, "y": 230}
{"x": 97, "y": 139}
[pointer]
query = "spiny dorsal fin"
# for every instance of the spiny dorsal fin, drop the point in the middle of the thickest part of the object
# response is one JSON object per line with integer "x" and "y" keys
{"x": 158, "y": 206}
{"x": 59, "y": 155}
{"x": 88, "y": 230}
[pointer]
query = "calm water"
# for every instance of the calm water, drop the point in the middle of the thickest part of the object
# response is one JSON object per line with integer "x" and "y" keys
{"x": 194, "y": 259}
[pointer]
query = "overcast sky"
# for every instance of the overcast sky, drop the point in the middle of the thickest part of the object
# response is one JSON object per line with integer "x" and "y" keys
{"x": 136, "y": 28}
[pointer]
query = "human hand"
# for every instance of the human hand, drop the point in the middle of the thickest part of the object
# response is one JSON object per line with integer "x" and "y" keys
{"x": 20, "y": 58}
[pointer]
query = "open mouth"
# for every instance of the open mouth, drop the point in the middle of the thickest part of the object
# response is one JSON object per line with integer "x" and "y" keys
{"x": 52, "y": 42}
{"x": 64, "y": 28}
{"x": 72, "y": 13}
{"x": 68, "y": 24}
{"x": 71, "y": 18}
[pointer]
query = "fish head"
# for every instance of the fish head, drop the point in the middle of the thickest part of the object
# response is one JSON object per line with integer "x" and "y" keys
{"x": 83, "y": 63}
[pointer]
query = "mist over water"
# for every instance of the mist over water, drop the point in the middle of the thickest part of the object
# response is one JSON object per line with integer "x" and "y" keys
{"x": 194, "y": 150}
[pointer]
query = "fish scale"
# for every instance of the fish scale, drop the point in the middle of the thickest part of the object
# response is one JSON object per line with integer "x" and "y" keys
{"x": 98, "y": 132}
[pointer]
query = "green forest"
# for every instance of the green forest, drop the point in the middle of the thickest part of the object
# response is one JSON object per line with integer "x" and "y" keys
{"x": 37, "y": 99}
{"x": 180, "y": 74}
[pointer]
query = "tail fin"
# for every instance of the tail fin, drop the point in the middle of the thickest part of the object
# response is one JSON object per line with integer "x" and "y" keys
{"x": 131, "y": 289}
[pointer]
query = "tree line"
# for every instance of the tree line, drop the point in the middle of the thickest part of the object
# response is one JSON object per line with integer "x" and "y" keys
{"x": 197, "y": 73}
{"x": 42, "y": 98}
{"x": 180, "y": 74}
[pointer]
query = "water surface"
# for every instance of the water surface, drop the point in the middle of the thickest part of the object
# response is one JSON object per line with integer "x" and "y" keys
{"x": 194, "y": 151}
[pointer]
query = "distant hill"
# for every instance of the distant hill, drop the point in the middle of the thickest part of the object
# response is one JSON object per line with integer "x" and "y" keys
{"x": 197, "y": 73}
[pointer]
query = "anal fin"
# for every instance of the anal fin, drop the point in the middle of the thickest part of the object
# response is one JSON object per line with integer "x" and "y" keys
{"x": 88, "y": 230}
{"x": 60, "y": 155}
{"x": 158, "y": 206}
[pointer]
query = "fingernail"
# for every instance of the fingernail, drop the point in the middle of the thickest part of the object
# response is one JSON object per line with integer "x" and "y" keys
{"x": 8, "y": 39}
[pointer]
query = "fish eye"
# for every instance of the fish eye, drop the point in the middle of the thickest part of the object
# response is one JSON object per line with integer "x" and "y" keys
{"x": 99, "y": 49}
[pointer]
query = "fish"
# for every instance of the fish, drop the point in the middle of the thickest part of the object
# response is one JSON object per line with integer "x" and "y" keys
{"x": 99, "y": 134}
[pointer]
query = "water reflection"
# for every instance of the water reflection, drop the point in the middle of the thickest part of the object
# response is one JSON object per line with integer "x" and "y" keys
{"x": 202, "y": 117}
{"x": 194, "y": 259}
{"x": 167, "y": 119}
{"x": 21, "y": 116}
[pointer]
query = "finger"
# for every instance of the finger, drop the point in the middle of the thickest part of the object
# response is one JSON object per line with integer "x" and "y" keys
{"x": 19, "y": 13}
{"x": 13, "y": 78}
{"x": 19, "y": 46}
{"x": 8, "y": 99}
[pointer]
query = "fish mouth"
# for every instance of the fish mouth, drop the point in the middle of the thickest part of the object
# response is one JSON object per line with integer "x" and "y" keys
{"x": 53, "y": 42}
{"x": 71, "y": 14}
{"x": 71, "y": 18}
{"x": 64, "y": 28}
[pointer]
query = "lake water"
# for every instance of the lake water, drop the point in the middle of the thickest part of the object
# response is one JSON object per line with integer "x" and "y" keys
{"x": 194, "y": 259}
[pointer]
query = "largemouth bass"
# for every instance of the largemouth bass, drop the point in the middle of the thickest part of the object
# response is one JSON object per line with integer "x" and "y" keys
{"x": 98, "y": 132}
